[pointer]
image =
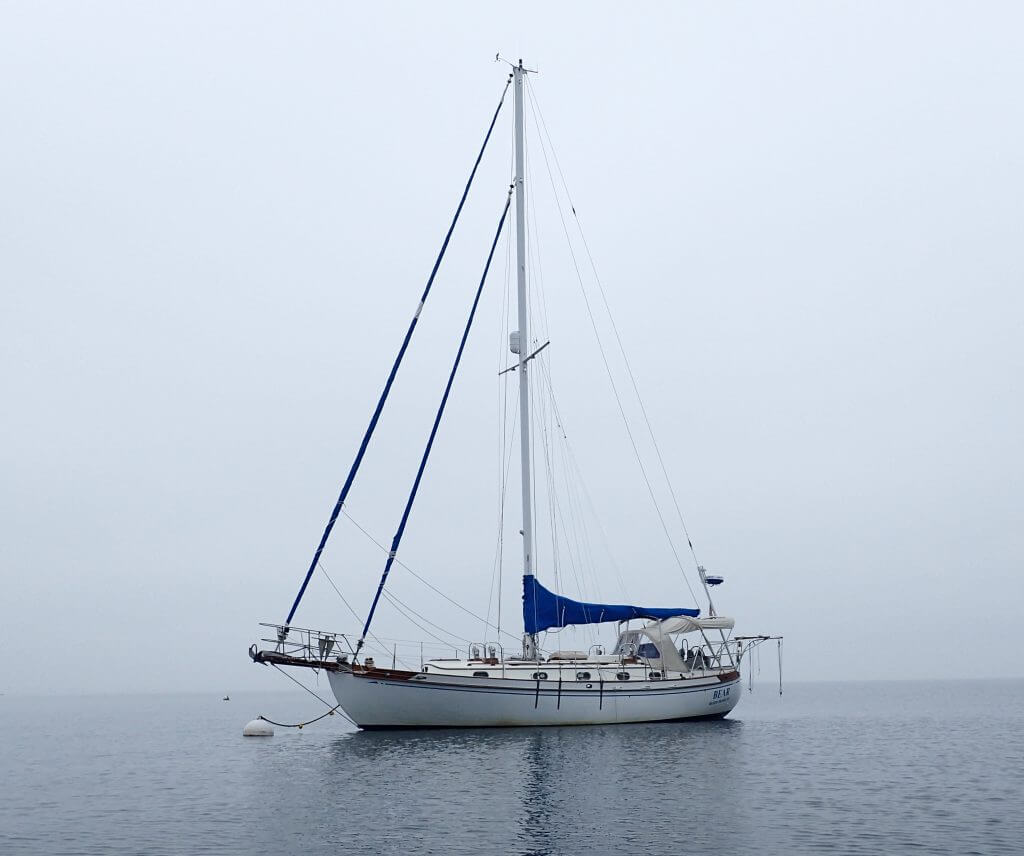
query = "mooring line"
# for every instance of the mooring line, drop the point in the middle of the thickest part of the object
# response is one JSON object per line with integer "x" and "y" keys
{"x": 335, "y": 709}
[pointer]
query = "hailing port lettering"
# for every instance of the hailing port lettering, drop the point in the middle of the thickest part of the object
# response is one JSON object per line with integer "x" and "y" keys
{"x": 720, "y": 696}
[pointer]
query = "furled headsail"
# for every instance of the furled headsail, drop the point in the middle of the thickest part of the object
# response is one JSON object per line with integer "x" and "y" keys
{"x": 543, "y": 609}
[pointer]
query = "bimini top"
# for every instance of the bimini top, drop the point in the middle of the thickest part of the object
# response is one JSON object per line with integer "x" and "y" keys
{"x": 682, "y": 624}
{"x": 543, "y": 609}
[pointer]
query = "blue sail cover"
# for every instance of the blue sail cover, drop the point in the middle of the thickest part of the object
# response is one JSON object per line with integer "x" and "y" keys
{"x": 543, "y": 609}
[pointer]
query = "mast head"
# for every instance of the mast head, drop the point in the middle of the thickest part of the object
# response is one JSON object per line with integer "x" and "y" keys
{"x": 516, "y": 66}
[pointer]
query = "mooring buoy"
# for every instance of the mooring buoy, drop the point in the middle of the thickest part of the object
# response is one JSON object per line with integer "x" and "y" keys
{"x": 258, "y": 728}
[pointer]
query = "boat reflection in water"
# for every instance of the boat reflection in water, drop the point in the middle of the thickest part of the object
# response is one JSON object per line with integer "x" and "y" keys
{"x": 548, "y": 790}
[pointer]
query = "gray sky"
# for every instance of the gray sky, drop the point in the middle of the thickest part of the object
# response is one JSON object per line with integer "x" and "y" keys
{"x": 215, "y": 221}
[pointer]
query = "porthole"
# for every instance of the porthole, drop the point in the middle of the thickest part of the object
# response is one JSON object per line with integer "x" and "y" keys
{"x": 540, "y": 676}
{"x": 481, "y": 674}
{"x": 583, "y": 676}
{"x": 622, "y": 676}
{"x": 655, "y": 676}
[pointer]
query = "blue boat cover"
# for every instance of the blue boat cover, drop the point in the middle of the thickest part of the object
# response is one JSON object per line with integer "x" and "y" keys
{"x": 543, "y": 609}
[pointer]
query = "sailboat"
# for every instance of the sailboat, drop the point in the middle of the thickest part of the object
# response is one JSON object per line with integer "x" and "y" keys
{"x": 667, "y": 664}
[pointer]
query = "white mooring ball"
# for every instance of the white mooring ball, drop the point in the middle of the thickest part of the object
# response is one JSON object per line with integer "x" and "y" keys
{"x": 258, "y": 728}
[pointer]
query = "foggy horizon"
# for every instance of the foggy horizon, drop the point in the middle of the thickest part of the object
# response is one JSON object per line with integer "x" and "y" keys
{"x": 215, "y": 228}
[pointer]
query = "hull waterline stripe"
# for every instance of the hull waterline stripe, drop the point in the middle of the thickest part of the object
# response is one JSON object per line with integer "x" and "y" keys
{"x": 524, "y": 691}
{"x": 394, "y": 371}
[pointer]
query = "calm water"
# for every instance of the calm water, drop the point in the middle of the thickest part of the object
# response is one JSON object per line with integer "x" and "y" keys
{"x": 847, "y": 768}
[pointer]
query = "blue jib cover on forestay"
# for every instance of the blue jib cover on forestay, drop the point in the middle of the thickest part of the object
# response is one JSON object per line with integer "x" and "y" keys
{"x": 543, "y": 609}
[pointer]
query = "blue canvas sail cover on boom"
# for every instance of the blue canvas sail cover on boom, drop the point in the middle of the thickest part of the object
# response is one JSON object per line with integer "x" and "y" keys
{"x": 543, "y": 609}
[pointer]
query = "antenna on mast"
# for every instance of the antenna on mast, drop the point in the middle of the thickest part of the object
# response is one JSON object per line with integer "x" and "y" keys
{"x": 499, "y": 58}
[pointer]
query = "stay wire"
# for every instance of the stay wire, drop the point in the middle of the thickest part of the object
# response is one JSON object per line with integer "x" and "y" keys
{"x": 576, "y": 526}
{"x": 333, "y": 709}
{"x": 540, "y": 332}
{"x": 501, "y": 521}
{"x": 402, "y": 605}
{"x": 502, "y": 401}
{"x": 425, "y": 582}
{"x": 323, "y": 570}
{"x": 611, "y": 379}
{"x": 618, "y": 339}
{"x": 396, "y": 541}
{"x": 573, "y": 475}
{"x": 371, "y": 427}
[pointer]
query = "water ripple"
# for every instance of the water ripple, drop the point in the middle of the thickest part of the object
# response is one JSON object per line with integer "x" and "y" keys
{"x": 839, "y": 768}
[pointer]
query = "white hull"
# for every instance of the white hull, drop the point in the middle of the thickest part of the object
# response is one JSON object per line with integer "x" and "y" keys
{"x": 378, "y": 701}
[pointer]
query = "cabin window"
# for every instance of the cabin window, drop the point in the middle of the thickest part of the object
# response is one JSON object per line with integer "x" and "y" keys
{"x": 481, "y": 674}
{"x": 622, "y": 676}
{"x": 655, "y": 676}
{"x": 540, "y": 676}
{"x": 583, "y": 676}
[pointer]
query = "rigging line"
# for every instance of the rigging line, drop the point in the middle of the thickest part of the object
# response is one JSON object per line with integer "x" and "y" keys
{"x": 592, "y": 506}
{"x": 509, "y": 447}
{"x": 557, "y": 513}
{"x": 337, "y": 590}
{"x": 552, "y": 507}
{"x": 574, "y": 482}
{"x": 505, "y": 418}
{"x": 425, "y": 582}
{"x": 394, "y": 371}
{"x": 437, "y": 421}
{"x": 401, "y": 604}
{"x": 578, "y": 574}
{"x": 580, "y": 537}
{"x": 525, "y": 344}
{"x": 501, "y": 510}
{"x": 500, "y": 446}
{"x": 391, "y": 639}
{"x": 577, "y": 522}
{"x": 618, "y": 338}
{"x": 611, "y": 379}
{"x": 539, "y": 405}
{"x": 580, "y": 528}
{"x": 547, "y": 415}
{"x": 405, "y": 609}
{"x": 535, "y": 253}
{"x": 562, "y": 440}
{"x": 355, "y": 615}
{"x": 502, "y": 406}
{"x": 440, "y": 646}
{"x": 335, "y": 709}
